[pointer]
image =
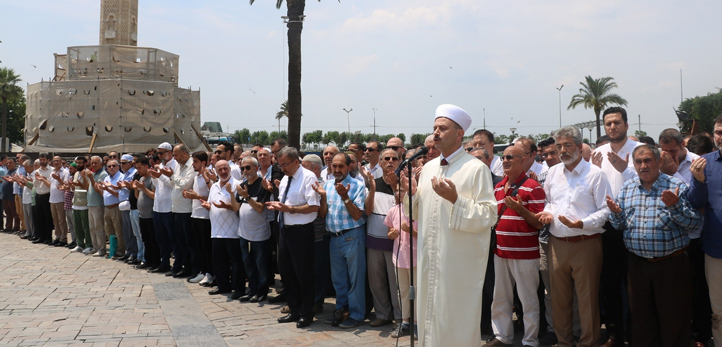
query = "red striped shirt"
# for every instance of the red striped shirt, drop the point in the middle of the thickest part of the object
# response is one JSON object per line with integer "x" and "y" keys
{"x": 515, "y": 238}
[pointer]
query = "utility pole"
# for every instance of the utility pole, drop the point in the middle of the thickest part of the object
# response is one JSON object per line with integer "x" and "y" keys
{"x": 374, "y": 109}
{"x": 484, "y": 110}
{"x": 639, "y": 117}
{"x": 560, "y": 105}
{"x": 348, "y": 115}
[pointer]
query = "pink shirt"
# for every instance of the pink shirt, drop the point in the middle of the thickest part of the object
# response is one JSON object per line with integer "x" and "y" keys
{"x": 393, "y": 221}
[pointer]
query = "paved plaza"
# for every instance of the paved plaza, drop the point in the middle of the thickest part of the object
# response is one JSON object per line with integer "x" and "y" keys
{"x": 52, "y": 296}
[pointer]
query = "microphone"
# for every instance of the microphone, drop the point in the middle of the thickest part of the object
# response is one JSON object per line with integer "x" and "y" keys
{"x": 420, "y": 152}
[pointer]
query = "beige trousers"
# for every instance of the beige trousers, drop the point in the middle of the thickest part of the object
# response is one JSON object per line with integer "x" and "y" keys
{"x": 61, "y": 226}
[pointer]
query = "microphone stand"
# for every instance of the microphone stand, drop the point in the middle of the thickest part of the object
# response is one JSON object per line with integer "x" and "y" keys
{"x": 412, "y": 289}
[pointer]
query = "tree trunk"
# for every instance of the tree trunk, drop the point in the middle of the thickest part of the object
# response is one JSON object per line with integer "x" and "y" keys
{"x": 295, "y": 26}
{"x": 597, "y": 112}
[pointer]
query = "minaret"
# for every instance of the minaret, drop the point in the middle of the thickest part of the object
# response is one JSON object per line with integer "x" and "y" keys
{"x": 119, "y": 22}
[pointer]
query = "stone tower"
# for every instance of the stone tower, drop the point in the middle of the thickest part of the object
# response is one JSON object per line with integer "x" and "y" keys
{"x": 119, "y": 22}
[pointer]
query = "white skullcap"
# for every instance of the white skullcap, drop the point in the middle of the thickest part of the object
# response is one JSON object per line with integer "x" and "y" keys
{"x": 456, "y": 114}
{"x": 166, "y": 146}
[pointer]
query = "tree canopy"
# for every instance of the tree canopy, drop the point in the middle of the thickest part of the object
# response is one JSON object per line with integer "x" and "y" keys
{"x": 704, "y": 109}
{"x": 596, "y": 94}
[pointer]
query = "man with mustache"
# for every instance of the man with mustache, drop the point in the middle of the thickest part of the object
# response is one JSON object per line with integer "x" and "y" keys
{"x": 576, "y": 211}
{"x": 455, "y": 208}
{"x": 655, "y": 216}
{"x": 614, "y": 158}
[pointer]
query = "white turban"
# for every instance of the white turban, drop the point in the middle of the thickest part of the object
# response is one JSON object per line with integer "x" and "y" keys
{"x": 456, "y": 114}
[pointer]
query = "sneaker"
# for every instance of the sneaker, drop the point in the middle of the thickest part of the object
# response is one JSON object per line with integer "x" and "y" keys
{"x": 99, "y": 254}
{"x": 78, "y": 249}
{"x": 350, "y": 323}
{"x": 197, "y": 278}
{"x": 207, "y": 279}
{"x": 88, "y": 250}
{"x": 402, "y": 329}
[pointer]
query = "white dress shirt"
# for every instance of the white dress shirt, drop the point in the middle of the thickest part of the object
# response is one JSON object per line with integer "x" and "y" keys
{"x": 579, "y": 194}
{"x": 201, "y": 188}
{"x": 181, "y": 179}
{"x": 299, "y": 193}
{"x": 40, "y": 187}
{"x": 235, "y": 171}
{"x": 224, "y": 222}
{"x": 376, "y": 171}
{"x": 56, "y": 195}
{"x": 536, "y": 168}
{"x": 616, "y": 178}
{"x": 497, "y": 167}
{"x": 163, "y": 189}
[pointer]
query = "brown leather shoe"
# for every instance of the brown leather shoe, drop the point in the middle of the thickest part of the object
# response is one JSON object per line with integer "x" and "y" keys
{"x": 612, "y": 342}
{"x": 379, "y": 322}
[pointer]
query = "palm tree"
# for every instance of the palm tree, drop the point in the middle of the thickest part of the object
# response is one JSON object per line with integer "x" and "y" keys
{"x": 283, "y": 112}
{"x": 595, "y": 94}
{"x": 8, "y": 89}
{"x": 294, "y": 14}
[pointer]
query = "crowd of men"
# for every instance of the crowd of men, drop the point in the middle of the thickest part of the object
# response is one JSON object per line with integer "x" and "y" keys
{"x": 627, "y": 234}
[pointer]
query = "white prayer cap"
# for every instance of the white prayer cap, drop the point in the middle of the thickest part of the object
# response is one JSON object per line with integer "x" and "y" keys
{"x": 456, "y": 114}
{"x": 166, "y": 146}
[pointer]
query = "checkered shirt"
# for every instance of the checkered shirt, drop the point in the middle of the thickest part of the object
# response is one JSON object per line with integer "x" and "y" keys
{"x": 651, "y": 229}
{"x": 337, "y": 217}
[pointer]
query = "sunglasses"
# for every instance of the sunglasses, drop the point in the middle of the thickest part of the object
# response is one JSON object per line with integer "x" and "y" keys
{"x": 468, "y": 149}
{"x": 391, "y": 159}
{"x": 369, "y": 149}
{"x": 395, "y": 148}
{"x": 112, "y": 156}
{"x": 245, "y": 168}
{"x": 254, "y": 152}
{"x": 510, "y": 157}
{"x": 112, "y": 165}
{"x": 218, "y": 152}
{"x": 124, "y": 162}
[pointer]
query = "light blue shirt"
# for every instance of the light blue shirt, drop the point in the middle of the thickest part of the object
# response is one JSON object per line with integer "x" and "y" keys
{"x": 110, "y": 199}
{"x": 337, "y": 217}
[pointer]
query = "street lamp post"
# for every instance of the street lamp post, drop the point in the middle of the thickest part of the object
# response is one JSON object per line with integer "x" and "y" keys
{"x": 560, "y": 105}
{"x": 348, "y": 115}
{"x": 513, "y": 130}
{"x": 590, "y": 127}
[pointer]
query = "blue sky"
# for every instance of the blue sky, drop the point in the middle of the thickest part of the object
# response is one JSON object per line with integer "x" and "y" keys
{"x": 404, "y": 57}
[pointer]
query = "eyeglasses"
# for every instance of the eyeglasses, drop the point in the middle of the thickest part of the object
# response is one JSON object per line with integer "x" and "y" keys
{"x": 567, "y": 145}
{"x": 283, "y": 166}
{"x": 550, "y": 154}
{"x": 510, "y": 157}
{"x": 218, "y": 152}
{"x": 395, "y": 148}
{"x": 369, "y": 149}
{"x": 111, "y": 165}
{"x": 246, "y": 168}
{"x": 125, "y": 162}
{"x": 391, "y": 159}
{"x": 468, "y": 149}
{"x": 254, "y": 151}
{"x": 112, "y": 156}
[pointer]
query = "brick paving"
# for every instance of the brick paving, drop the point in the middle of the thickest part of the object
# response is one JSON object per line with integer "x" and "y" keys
{"x": 52, "y": 296}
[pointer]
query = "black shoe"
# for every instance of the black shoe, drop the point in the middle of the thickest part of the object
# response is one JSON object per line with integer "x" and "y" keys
{"x": 55, "y": 242}
{"x": 133, "y": 262}
{"x": 130, "y": 259}
{"x": 210, "y": 284}
{"x": 289, "y": 318}
{"x": 277, "y": 299}
{"x": 304, "y": 322}
{"x": 48, "y": 242}
{"x": 142, "y": 265}
{"x": 183, "y": 274}
{"x": 218, "y": 292}
{"x": 246, "y": 297}
{"x": 122, "y": 258}
{"x": 238, "y": 295}
{"x": 258, "y": 298}
{"x": 32, "y": 238}
{"x": 337, "y": 318}
{"x": 24, "y": 237}
{"x": 161, "y": 269}
{"x": 550, "y": 338}
{"x": 38, "y": 241}
{"x": 72, "y": 245}
{"x": 61, "y": 244}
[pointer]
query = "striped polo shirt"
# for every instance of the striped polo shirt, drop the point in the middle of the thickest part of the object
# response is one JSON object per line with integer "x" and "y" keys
{"x": 515, "y": 238}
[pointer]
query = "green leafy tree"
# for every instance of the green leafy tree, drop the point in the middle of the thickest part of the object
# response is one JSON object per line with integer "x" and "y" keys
{"x": 330, "y": 136}
{"x": 402, "y": 136}
{"x": 342, "y": 138}
{"x": 418, "y": 139}
{"x": 704, "y": 109}
{"x": 9, "y": 92}
{"x": 276, "y": 135}
{"x": 315, "y": 136}
{"x": 595, "y": 94}
{"x": 260, "y": 137}
{"x": 242, "y": 135}
{"x": 640, "y": 133}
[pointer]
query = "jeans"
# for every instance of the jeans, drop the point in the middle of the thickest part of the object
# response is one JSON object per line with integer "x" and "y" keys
{"x": 348, "y": 271}
{"x": 181, "y": 246}
{"x": 255, "y": 259}
{"x": 135, "y": 226}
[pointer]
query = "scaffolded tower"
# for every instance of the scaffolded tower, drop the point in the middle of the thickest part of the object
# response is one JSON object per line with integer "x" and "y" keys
{"x": 113, "y": 96}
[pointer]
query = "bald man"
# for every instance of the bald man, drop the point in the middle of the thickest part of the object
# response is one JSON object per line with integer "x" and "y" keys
{"x": 397, "y": 145}
{"x": 586, "y": 151}
{"x": 433, "y": 151}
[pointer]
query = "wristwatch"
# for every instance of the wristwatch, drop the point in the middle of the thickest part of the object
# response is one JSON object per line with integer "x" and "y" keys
{"x": 347, "y": 201}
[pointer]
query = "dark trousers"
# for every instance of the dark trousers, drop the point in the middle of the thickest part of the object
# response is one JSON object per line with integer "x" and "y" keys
{"x": 12, "y": 219}
{"x": 701, "y": 308}
{"x": 487, "y": 294}
{"x": 204, "y": 250}
{"x": 152, "y": 253}
{"x": 255, "y": 259}
{"x": 228, "y": 265}
{"x": 660, "y": 300}
{"x": 45, "y": 217}
{"x": 181, "y": 247}
{"x": 295, "y": 261}
{"x": 614, "y": 273}
{"x": 164, "y": 224}
{"x": 322, "y": 269}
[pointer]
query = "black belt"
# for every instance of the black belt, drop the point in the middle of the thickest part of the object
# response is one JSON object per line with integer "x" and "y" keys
{"x": 340, "y": 233}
